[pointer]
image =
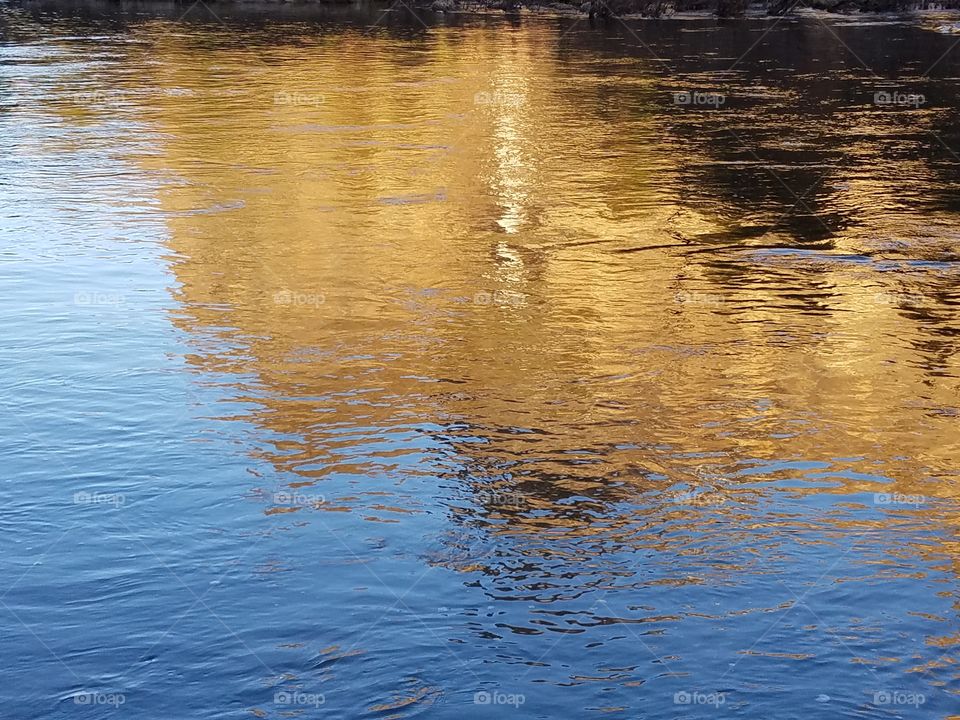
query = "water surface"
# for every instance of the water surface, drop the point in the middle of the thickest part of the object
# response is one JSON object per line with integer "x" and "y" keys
{"x": 356, "y": 363}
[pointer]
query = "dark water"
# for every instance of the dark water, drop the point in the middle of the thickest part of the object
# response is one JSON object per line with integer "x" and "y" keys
{"x": 355, "y": 366}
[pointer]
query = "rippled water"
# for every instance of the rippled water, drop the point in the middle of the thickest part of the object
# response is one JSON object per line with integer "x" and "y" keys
{"x": 355, "y": 365}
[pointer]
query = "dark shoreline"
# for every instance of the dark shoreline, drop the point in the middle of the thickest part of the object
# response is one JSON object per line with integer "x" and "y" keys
{"x": 600, "y": 9}
{"x": 636, "y": 9}
{"x": 688, "y": 9}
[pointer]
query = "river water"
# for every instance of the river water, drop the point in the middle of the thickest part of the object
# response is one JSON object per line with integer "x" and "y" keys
{"x": 366, "y": 364}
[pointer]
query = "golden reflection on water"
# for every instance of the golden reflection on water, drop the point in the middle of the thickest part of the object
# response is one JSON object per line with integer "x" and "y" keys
{"x": 460, "y": 230}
